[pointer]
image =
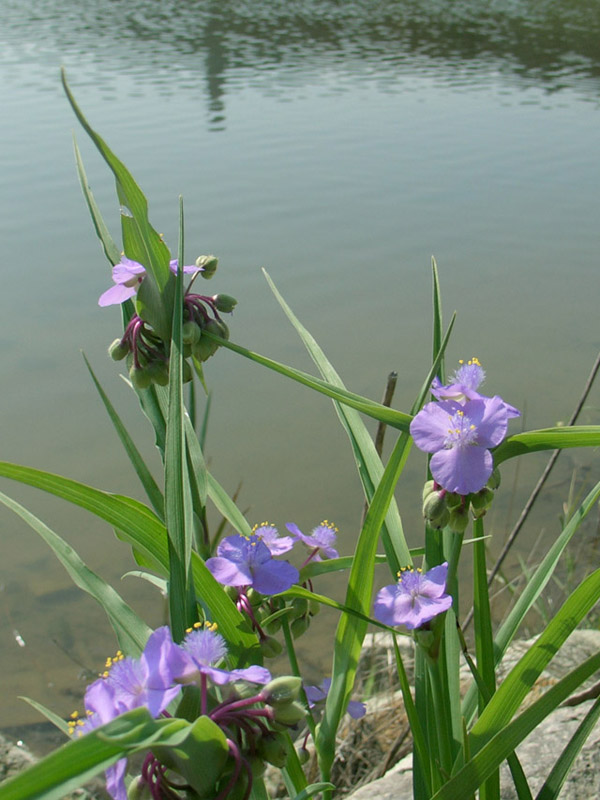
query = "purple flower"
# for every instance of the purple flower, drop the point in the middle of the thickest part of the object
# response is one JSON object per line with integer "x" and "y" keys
{"x": 320, "y": 540}
{"x": 247, "y": 561}
{"x": 278, "y": 545}
{"x": 415, "y": 599}
{"x": 316, "y": 694}
{"x": 127, "y": 276}
{"x": 201, "y": 649}
{"x": 464, "y": 384}
{"x": 149, "y": 680}
{"x": 459, "y": 436}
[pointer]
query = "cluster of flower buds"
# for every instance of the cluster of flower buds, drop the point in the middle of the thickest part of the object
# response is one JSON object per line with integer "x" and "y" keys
{"x": 448, "y": 509}
{"x": 146, "y": 352}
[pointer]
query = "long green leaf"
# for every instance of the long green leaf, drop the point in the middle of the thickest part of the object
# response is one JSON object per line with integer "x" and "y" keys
{"x": 132, "y": 632}
{"x": 178, "y": 501}
{"x": 547, "y": 439}
{"x": 521, "y": 678}
{"x": 150, "y": 486}
{"x": 142, "y": 529}
{"x": 532, "y": 590}
{"x": 507, "y": 738}
{"x": 141, "y": 242}
{"x": 555, "y": 780}
{"x": 111, "y": 250}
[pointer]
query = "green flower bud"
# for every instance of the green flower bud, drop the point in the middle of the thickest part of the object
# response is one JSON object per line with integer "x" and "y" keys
{"x": 281, "y": 691}
{"x": 459, "y": 520}
{"x": 289, "y": 714}
{"x": 299, "y": 607}
{"x": 118, "y": 350}
{"x": 299, "y": 626}
{"x": 208, "y": 265}
{"x": 428, "y": 489}
{"x": 140, "y": 377}
{"x": 314, "y": 607}
{"x": 303, "y": 755}
{"x": 274, "y": 748}
{"x": 440, "y": 522}
{"x": 159, "y": 372}
{"x": 204, "y": 348}
{"x": 435, "y": 510}
{"x": 454, "y": 500}
{"x": 224, "y": 302}
{"x": 190, "y": 332}
{"x": 274, "y": 626}
{"x": 481, "y": 501}
{"x": 256, "y": 598}
{"x": 270, "y": 647}
{"x": 218, "y": 327}
{"x": 231, "y": 592}
{"x": 139, "y": 789}
{"x": 494, "y": 481}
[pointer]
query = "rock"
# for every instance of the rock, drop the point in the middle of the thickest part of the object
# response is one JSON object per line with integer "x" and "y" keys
{"x": 540, "y": 750}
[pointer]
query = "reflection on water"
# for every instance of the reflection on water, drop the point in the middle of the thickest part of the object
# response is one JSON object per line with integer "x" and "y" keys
{"x": 340, "y": 144}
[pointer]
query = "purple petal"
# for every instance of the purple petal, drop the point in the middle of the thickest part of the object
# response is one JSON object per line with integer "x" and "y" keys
{"x": 116, "y": 294}
{"x": 228, "y": 572}
{"x": 275, "y": 577}
{"x": 433, "y": 582}
{"x": 429, "y": 428}
{"x": 462, "y": 469}
{"x": 186, "y": 270}
{"x": 254, "y": 674}
{"x": 115, "y": 780}
{"x": 127, "y": 270}
{"x": 494, "y": 423}
{"x": 356, "y": 709}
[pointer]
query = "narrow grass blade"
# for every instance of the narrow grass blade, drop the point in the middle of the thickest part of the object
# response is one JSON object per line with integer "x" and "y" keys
{"x": 555, "y": 780}
{"x": 150, "y": 486}
{"x": 506, "y": 739}
{"x": 313, "y": 789}
{"x": 131, "y": 631}
{"x": 57, "y": 721}
{"x": 141, "y": 528}
{"x": 532, "y": 590}
{"x": 437, "y": 318}
{"x": 547, "y": 439}
{"x": 518, "y": 682}
{"x": 178, "y": 502}
{"x": 111, "y": 250}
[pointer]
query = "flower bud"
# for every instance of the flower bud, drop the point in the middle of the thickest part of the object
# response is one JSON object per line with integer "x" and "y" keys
{"x": 118, "y": 350}
{"x": 159, "y": 373}
{"x": 289, "y": 714}
{"x": 190, "y": 332}
{"x": 299, "y": 607}
{"x": 282, "y": 690}
{"x": 204, "y": 348}
{"x": 224, "y": 302}
{"x": 313, "y": 607}
{"x": 458, "y": 520}
{"x": 139, "y": 789}
{"x": 299, "y": 626}
{"x": 273, "y": 626}
{"x": 218, "y": 327}
{"x": 270, "y": 647}
{"x": 187, "y": 372}
{"x": 208, "y": 265}
{"x": 435, "y": 510}
{"x": 140, "y": 377}
{"x": 494, "y": 481}
{"x": 481, "y": 501}
{"x": 274, "y": 748}
{"x": 303, "y": 755}
{"x": 454, "y": 500}
{"x": 428, "y": 489}
{"x": 256, "y": 598}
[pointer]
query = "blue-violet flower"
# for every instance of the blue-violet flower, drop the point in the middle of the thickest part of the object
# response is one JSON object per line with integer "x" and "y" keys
{"x": 415, "y": 599}
{"x": 247, "y": 561}
{"x": 320, "y": 540}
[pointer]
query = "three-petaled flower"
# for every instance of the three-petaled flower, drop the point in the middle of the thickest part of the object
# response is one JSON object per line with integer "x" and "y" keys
{"x": 415, "y": 599}
{"x": 320, "y": 540}
{"x": 127, "y": 276}
{"x": 246, "y": 561}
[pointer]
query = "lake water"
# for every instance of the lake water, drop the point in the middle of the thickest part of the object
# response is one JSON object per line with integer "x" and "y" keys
{"x": 339, "y": 145}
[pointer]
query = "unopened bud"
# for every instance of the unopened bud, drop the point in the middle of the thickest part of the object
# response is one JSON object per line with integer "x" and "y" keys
{"x": 139, "y": 789}
{"x": 481, "y": 501}
{"x": 204, "y": 348}
{"x": 454, "y": 500}
{"x": 299, "y": 607}
{"x": 428, "y": 489}
{"x": 224, "y": 302}
{"x": 208, "y": 265}
{"x": 270, "y": 647}
{"x": 289, "y": 714}
{"x": 299, "y": 626}
{"x": 434, "y": 506}
{"x": 118, "y": 350}
{"x": 494, "y": 480}
{"x": 190, "y": 332}
{"x": 281, "y": 691}
{"x": 303, "y": 755}
{"x": 458, "y": 520}
{"x": 187, "y": 372}
{"x": 313, "y": 607}
{"x": 218, "y": 327}
{"x": 274, "y": 748}
{"x": 140, "y": 377}
{"x": 159, "y": 372}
